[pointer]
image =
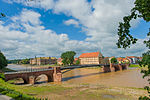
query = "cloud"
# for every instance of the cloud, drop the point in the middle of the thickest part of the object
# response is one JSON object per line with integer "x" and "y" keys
{"x": 44, "y": 4}
{"x": 71, "y": 22}
{"x": 35, "y": 40}
{"x": 98, "y": 19}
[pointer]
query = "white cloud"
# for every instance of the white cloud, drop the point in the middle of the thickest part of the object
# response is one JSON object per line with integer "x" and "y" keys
{"x": 71, "y": 22}
{"x": 36, "y": 40}
{"x": 99, "y": 19}
{"x": 44, "y": 4}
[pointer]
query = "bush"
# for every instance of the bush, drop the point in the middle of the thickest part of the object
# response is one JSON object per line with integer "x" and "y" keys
{"x": 2, "y": 76}
{"x": 78, "y": 62}
{"x": 3, "y": 61}
{"x": 114, "y": 61}
{"x": 6, "y": 90}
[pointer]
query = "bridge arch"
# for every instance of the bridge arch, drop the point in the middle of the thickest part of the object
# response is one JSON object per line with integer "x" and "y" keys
{"x": 42, "y": 78}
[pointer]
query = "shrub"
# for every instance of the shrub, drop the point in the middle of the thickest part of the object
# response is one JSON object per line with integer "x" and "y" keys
{"x": 114, "y": 61}
{"x": 2, "y": 76}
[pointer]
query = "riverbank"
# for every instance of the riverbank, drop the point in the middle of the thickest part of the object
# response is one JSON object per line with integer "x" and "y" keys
{"x": 59, "y": 91}
{"x": 89, "y": 84}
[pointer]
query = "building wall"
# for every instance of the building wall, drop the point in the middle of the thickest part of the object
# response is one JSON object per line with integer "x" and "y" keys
{"x": 42, "y": 61}
{"x": 94, "y": 60}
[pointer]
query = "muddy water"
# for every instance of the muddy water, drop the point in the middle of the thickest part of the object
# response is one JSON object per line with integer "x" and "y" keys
{"x": 126, "y": 78}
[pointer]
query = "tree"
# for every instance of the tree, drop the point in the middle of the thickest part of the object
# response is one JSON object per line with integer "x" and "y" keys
{"x": 68, "y": 57}
{"x": 25, "y": 61}
{"x": 140, "y": 10}
{"x": 78, "y": 62}
{"x": 114, "y": 60}
{"x": 3, "y": 61}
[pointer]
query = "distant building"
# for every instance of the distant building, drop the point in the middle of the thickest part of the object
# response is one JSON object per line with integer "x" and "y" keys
{"x": 133, "y": 59}
{"x": 140, "y": 58}
{"x": 91, "y": 58}
{"x": 123, "y": 60}
{"x": 75, "y": 60}
{"x": 106, "y": 60}
{"x": 59, "y": 61}
{"x": 43, "y": 60}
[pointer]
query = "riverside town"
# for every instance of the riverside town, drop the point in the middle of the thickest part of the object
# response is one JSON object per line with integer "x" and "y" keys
{"x": 74, "y": 50}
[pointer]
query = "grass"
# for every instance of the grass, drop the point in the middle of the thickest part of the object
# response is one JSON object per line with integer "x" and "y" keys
{"x": 67, "y": 92}
{"x": 133, "y": 65}
{"x": 59, "y": 92}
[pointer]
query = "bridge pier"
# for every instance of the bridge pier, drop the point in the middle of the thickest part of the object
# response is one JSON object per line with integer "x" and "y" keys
{"x": 31, "y": 80}
{"x": 57, "y": 75}
{"x": 120, "y": 67}
{"x": 113, "y": 68}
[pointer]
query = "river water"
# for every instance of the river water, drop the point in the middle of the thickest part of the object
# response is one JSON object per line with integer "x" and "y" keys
{"x": 126, "y": 78}
{"x": 95, "y": 76}
{"x": 17, "y": 67}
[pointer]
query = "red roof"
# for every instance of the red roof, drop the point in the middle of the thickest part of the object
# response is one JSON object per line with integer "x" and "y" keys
{"x": 75, "y": 59}
{"x": 89, "y": 55}
{"x": 59, "y": 60}
{"x": 121, "y": 59}
{"x": 131, "y": 57}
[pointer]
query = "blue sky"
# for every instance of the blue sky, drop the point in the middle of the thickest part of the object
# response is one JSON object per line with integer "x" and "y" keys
{"x": 50, "y": 27}
{"x": 49, "y": 20}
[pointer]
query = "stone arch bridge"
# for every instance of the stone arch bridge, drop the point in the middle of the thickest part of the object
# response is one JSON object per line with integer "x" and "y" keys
{"x": 54, "y": 74}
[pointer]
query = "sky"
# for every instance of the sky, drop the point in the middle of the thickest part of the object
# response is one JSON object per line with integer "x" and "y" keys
{"x": 50, "y": 27}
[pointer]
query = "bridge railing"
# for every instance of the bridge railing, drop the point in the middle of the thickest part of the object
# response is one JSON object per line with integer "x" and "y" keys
{"x": 30, "y": 70}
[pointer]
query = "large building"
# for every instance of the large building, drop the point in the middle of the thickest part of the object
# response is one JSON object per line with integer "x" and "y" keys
{"x": 43, "y": 60}
{"x": 91, "y": 58}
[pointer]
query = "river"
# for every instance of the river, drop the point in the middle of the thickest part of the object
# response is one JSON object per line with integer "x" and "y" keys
{"x": 17, "y": 67}
{"x": 95, "y": 76}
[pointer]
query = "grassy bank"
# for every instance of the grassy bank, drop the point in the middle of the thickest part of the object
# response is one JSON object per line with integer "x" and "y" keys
{"x": 6, "y": 89}
{"x": 66, "y": 91}
{"x": 133, "y": 65}
{"x": 72, "y": 92}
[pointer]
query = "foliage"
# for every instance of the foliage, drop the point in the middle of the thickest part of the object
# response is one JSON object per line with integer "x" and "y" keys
{"x": 78, "y": 62}
{"x": 141, "y": 10}
{"x": 145, "y": 62}
{"x": 25, "y": 61}
{"x": 68, "y": 57}
{"x": 132, "y": 65}
{"x": 114, "y": 61}
{"x": 6, "y": 90}
{"x": 3, "y": 61}
{"x": 2, "y": 76}
{"x": 15, "y": 61}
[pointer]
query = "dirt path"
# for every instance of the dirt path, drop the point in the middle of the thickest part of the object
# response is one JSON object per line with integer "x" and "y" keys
{"x": 3, "y": 97}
